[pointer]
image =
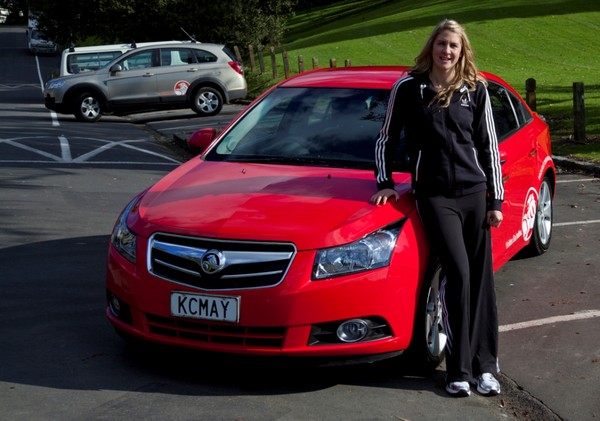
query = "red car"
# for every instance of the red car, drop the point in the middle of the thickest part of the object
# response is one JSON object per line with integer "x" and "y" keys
{"x": 266, "y": 244}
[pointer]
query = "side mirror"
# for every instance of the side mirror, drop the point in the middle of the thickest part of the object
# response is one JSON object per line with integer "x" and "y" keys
{"x": 201, "y": 139}
{"x": 116, "y": 68}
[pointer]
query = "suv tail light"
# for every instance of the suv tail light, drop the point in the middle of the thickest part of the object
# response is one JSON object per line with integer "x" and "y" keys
{"x": 237, "y": 66}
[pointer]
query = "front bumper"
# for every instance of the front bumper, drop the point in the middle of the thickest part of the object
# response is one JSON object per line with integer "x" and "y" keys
{"x": 51, "y": 104}
{"x": 284, "y": 320}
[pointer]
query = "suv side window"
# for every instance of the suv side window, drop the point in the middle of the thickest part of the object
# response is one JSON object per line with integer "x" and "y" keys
{"x": 509, "y": 113}
{"x": 175, "y": 56}
{"x": 139, "y": 60}
{"x": 203, "y": 56}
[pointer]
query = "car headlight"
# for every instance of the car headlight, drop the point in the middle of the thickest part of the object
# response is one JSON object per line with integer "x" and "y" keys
{"x": 55, "y": 83}
{"x": 123, "y": 239}
{"x": 370, "y": 252}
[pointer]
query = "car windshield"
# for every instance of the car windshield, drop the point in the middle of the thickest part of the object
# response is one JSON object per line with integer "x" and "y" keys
{"x": 333, "y": 127}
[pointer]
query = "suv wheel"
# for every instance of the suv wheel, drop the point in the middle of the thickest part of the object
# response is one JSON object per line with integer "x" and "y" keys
{"x": 88, "y": 107}
{"x": 207, "y": 101}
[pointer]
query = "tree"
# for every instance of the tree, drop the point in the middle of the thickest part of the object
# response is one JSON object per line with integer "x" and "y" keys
{"x": 233, "y": 22}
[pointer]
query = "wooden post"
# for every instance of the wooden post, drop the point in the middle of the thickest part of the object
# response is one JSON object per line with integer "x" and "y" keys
{"x": 530, "y": 96}
{"x": 252, "y": 61}
{"x": 286, "y": 64}
{"x": 236, "y": 51}
{"x": 315, "y": 62}
{"x": 300, "y": 64}
{"x": 578, "y": 112}
{"x": 347, "y": 63}
{"x": 332, "y": 62}
{"x": 274, "y": 62}
{"x": 261, "y": 59}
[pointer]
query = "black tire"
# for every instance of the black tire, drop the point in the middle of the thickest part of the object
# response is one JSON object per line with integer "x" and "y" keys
{"x": 88, "y": 107}
{"x": 542, "y": 227}
{"x": 207, "y": 101}
{"x": 427, "y": 349}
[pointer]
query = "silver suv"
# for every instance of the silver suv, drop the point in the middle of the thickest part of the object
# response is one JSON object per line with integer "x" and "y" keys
{"x": 176, "y": 74}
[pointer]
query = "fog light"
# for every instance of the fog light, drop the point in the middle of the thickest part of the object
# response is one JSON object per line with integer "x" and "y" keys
{"x": 352, "y": 330}
{"x": 115, "y": 306}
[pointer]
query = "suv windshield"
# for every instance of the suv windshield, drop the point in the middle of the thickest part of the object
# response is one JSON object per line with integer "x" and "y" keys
{"x": 334, "y": 127}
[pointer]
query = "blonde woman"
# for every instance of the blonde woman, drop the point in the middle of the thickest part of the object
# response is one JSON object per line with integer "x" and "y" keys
{"x": 443, "y": 108}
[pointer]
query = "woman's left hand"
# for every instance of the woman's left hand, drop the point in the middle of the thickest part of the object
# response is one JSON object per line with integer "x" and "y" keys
{"x": 494, "y": 218}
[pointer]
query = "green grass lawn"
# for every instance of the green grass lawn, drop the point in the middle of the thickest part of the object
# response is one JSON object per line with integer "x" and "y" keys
{"x": 556, "y": 42}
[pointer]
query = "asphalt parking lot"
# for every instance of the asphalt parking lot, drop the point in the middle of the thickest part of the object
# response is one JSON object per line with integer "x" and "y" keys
{"x": 62, "y": 188}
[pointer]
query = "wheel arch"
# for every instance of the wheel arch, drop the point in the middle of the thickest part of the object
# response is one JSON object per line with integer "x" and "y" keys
{"x": 74, "y": 92}
{"x": 210, "y": 83}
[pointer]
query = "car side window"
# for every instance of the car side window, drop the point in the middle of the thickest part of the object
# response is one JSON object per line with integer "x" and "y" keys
{"x": 139, "y": 60}
{"x": 203, "y": 56}
{"x": 175, "y": 56}
{"x": 507, "y": 110}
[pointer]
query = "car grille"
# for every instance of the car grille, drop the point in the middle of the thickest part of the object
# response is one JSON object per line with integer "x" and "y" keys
{"x": 218, "y": 264}
{"x": 212, "y": 333}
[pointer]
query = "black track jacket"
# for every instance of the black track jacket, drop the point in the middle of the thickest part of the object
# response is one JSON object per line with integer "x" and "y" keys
{"x": 453, "y": 151}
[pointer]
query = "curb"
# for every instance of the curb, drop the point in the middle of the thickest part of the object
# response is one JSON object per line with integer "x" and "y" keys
{"x": 575, "y": 165}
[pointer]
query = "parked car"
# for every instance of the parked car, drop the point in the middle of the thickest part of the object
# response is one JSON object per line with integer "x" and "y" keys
{"x": 177, "y": 74}
{"x": 38, "y": 43}
{"x": 267, "y": 244}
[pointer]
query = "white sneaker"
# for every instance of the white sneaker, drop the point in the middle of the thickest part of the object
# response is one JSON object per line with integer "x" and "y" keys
{"x": 458, "y": 389}
{"x": 487, "y": 385}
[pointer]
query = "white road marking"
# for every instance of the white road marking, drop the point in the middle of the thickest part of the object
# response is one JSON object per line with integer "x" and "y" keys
{"x": 578, "y": 180}
{"x": 565, "y": 224}
{"x": 37, "y": 64}
{"x": 53, "y": 115}
{"x": 66, "y": 156}
{"x": 125, "y": 144}
{"x": 585, "y": 314}
{"x": 30, "y": 149}
{"x": 65, "y": 149}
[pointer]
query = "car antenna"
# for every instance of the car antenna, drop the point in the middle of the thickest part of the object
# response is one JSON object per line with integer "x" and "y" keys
{"x": 191, "y": 37}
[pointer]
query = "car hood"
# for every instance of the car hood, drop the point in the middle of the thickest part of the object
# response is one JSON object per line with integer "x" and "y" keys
{"x": 313, "y": 207}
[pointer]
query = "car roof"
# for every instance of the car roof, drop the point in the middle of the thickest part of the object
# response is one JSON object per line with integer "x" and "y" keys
{"x": 373, "y": 77}
{"x": 366, "y": 77}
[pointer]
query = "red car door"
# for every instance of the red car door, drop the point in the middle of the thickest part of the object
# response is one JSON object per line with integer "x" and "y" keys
{"x": 517, "y": 139}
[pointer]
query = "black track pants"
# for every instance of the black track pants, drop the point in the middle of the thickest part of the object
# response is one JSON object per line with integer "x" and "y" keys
{"x": 458, "y": 232}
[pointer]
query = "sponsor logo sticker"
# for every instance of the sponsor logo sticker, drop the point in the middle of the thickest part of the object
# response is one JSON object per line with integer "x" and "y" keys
{"x": 181, "y": 87}
{"x": 529, "y": 210}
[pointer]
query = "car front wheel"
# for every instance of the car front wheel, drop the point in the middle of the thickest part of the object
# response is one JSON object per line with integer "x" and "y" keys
{"x": 428, "y": 344}
{"x": 88, "y": 107}
{"x": 207, "y": 101}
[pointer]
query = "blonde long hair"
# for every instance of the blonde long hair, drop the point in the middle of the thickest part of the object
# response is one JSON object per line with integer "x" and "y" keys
{"x": 466, "y": 70}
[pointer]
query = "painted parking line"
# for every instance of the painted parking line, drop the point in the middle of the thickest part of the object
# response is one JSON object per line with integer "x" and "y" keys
{"x": 53, "y": 115}
{"x": 86, "y": 158}
{"x": 578, "y": 180}
{"x": 566, "y": 224}
{"x": 580, "y": 315}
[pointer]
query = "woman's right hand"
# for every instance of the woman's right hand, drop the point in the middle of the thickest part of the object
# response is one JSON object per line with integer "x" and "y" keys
{"x": 382, "y": 196}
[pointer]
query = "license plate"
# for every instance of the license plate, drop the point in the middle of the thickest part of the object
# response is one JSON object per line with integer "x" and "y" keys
{"x": 206, "y": 307}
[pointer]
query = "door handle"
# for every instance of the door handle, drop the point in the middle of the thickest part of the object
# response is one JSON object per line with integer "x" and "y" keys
{"x": 503, "y": 158}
